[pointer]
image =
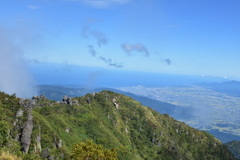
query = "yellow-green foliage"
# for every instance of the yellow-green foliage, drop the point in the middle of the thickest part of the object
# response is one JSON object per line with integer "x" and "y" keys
{"x": 91, "y": 151}
{"x": 5, "y": 155}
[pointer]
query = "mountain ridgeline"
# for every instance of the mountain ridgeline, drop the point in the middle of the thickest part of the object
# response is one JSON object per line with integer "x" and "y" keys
{"x": 40, "y": 128}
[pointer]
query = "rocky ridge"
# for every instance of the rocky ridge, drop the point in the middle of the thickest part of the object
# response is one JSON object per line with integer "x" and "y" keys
{"x": 42, "y": 128}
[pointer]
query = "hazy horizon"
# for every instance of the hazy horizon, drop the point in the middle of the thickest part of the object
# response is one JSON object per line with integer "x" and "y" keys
{"x": 155, "y": 36}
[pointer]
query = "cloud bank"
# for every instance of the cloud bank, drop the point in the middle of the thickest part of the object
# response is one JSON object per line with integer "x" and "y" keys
{"x": 128, "y": 48}
{"x": 13, "y": 70}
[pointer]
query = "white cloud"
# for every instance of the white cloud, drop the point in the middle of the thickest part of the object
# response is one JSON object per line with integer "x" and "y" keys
{"x": 15, "y": 77}
{"x": 134, "y": 47}
{"x": 101, "y": 3}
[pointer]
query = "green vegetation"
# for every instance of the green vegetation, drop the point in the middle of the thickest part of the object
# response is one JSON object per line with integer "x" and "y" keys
{"x": 234, "y": 147}
{"x": 110, "y": 120}
{"x": 209, "y": 110}
{"x": 90, "y": 150}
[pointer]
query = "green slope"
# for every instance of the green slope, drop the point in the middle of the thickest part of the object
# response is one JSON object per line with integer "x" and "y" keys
{"x": 108, "y": 118}
{"x": 234, "y": 147}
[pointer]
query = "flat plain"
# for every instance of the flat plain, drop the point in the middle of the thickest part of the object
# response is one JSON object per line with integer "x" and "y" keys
{"x": 211, "y": 110}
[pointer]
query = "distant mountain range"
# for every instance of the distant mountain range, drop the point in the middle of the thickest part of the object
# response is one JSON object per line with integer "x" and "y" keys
{"x": 57, "y": 92}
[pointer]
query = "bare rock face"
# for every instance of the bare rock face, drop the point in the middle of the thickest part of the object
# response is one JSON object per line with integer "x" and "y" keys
{"x": 26, "y": 133}
{"x": 19, "y": 113}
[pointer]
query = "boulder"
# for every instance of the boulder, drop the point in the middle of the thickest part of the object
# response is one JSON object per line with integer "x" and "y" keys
{"x": 43, "y": 97}
{"x": 65, "y": 98}
{"x": 88, "y": 99}
{"x": 46, "y": 153}
{"x": 59, "y": 144}
{"x": 67, "y": 130}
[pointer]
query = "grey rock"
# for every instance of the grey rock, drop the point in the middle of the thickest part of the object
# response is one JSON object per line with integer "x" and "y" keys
{"x": 46, "y": 153}
{"x": 32, "y": 102}
{"x": 59, "y": 144}
{"x": 65, "y": 98}
{"x": 69, "y": 101}
{"x": 67, "y": 130}
{"x": 43, "y": 97}
{"x": 17, "y": 137}
{"x": 35, "y": 98}
{"x": 51, "y": 157}
{"x": 19, "y": 113}
{"x": 15, "y": 122}
{"x": 116, "y": 105}
{"x": 88, "y": 100}
{"x": 26, "y": 133}
{"x": 75, "y": 102}
{"x": 21, "y": 101}
{"x": 27, "y": 103}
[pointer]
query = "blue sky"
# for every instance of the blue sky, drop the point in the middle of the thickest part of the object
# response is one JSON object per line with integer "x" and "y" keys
{"x": 199, "y": 37}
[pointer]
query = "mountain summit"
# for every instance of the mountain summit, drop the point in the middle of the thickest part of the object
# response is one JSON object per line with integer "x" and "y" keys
{"x": 39, "y": 128}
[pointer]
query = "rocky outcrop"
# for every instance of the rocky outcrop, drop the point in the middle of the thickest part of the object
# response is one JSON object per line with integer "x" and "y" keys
{"x": 67, "y": 100}
{"x": 42, "y": 97}
{"x": 88, "y": 99}
{"x": 115, "y": 104}
{"x": 31, "y": 103}
{"x": 26, "y": 133}
{"x": 59, "y": 143}
{"x": 46, "y": 154}
{"x": 19, "y": 113}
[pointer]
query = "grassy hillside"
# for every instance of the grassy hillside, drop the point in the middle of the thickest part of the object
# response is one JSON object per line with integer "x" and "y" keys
{"x": 45, "y": 128}
{"x": 234, "y": 147}
{"x": 214, "y": 112}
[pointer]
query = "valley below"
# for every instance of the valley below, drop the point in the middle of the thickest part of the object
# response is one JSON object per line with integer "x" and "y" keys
{"x": 212, "y": 111}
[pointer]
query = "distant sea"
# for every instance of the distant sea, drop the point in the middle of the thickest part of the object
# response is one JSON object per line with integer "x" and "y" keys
{"x": 56, "y": 74}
